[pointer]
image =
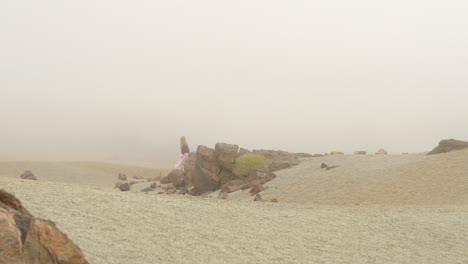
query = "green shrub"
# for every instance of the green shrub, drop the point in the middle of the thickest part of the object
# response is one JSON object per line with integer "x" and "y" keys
{"x": 249, "y": 163}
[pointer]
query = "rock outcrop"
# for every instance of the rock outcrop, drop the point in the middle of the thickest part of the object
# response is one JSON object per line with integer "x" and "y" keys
{"x": 208, "y": 169}
{"x": 205, "y": 174}
{"x": 226, "y": 155}
{"x": 449, "y": 145}
{"x": 25, "y": 239}
{"x": 28, "y": 175}
{"x": 336, "y": 153}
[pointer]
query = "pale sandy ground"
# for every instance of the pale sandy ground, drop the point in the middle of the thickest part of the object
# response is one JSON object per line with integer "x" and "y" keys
{"x": 372, "y": 209}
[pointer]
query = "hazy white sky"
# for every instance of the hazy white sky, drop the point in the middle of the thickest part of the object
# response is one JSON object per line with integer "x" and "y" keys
{"x": 125, "y": 79}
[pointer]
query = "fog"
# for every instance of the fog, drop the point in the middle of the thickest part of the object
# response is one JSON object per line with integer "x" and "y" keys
{"x": 125, "y": 79}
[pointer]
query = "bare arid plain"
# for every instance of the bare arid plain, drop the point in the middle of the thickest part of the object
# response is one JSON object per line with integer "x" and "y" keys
{"x": 370, "y": 209}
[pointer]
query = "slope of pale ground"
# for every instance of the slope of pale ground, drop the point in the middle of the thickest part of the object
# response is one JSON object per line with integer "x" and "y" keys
{"x": 371, "y": 209}
{"x": 373, "y": 180}
{"x": 103, "y": 174}
{"x": 124, "y": 227}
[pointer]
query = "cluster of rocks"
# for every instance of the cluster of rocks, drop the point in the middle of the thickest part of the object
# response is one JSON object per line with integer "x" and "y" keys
{"x": 449, "y": 145}
{"x": 26, "y": 239}
{"x": 208, "y": 170}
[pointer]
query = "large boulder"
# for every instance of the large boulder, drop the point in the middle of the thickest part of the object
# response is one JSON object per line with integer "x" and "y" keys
{"x": 25, "y": 239}
{"x": 176, "y": 177}
{"x": 28, "y": 175}
{"x": 449, "y": 145}
{"x": 189, "y": 165}
{"x": 205, "y": 174}
{"x": 243, "y": 151}
{"x": 226, "y": 155}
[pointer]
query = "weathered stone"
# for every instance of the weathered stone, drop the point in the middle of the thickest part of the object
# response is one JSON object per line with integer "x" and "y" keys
{"x": 274, "y": 200}
{"x": 122, "y": 177}
{"x": 323, "y": 166}
{"x": 226, "y": 155}
{"x": 205, "y": 175}
{"x": 28, "y": 175}
{"x": 449, "y": 145}
{"x": 176, "y": 177}
{"x": 165, "y": 180}
{"x": 381, "y": 152}
{"x": 258, "y": 198}
{"x": 189, "y": 164}
{"x": 124, "y": 187}
{"x": 25, "y": 239}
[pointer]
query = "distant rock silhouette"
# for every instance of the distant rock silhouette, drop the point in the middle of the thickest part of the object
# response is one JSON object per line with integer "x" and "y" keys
{"x": 25, "y": 239}
{"x": 449, "y": 145}
{"x": 122, "y": 177}
{"x": 28, "y": 175}
{"x": 381, "y": 152}
{"x": 360, "y": 152}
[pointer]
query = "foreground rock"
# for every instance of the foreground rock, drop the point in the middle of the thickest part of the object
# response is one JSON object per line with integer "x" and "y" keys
{"x": 25, "y": 239}
{"x": 449, "y": 145}
{"x": 28, "y": 175}
{"x": 205, "y": 174}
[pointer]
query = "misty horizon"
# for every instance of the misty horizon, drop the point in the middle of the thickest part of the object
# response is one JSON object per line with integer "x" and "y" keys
{"x": 123, "y": 81}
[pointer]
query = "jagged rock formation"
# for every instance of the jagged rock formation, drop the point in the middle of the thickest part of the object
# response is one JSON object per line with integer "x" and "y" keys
{"x": 25, "y": 239}
{"x": 449, "y": 145}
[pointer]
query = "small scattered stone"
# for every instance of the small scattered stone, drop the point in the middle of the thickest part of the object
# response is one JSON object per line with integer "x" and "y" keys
{"x": 124, "y": 187}
{"x": 274, "y": 200}
{"x": 323, "y": 166}
{"x": 258, "y": 198}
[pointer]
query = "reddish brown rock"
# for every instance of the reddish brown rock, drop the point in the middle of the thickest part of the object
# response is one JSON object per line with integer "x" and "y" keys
{"x": 449, "y": 145}
{"x": 28, "y": 240}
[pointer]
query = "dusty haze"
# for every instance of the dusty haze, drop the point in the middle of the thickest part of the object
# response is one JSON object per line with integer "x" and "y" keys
{"x": 125, "y": 79}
